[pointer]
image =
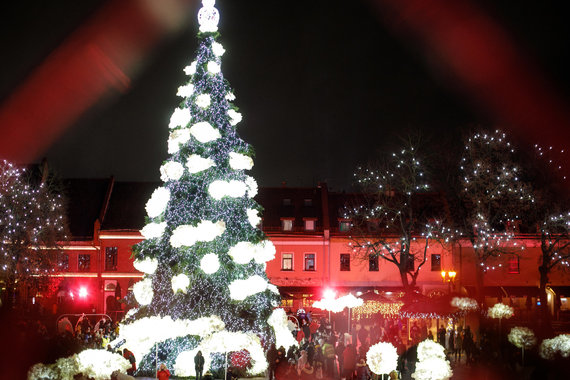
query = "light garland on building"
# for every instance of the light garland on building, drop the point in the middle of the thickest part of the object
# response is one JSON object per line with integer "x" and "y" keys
{"x": 465, "y": 304}
{"x": 370, "y": 308}
{"x": 382, "y": 358}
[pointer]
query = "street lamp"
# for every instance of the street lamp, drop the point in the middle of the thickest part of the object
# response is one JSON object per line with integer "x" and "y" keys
{"x": 449, "y": 277}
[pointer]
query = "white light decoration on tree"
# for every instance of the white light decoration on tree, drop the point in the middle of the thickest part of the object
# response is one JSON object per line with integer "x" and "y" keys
{"x": 187, "y": 235}
{"x": 522, "y": 337}
{"x": 147, "y": 265}
{"x": 230, "y": 96}
{"x": 190, "y": 69}
{"x": 180, "y": 118}
{"x": 241, "y": 289}
{"x": 143, "y": 291}
{"x": 336, "y": 305}
{"x": 251, "y": 186}
{"x": 219, "y": 189}
{"x": 177, "y": 137}
{"x": 500, "y": 311}
{"x": 157, "y": 202}
{"x": 153, "y": 230}
{"x": 213, "y": 68}
{"x": 203, "y": 100}
{"x": 210, "y": 263}
{"x": 243, "y": 252}
{"x": 94, "y": 364}
{"x": 180, "y": 282}
{"x": 218, "y": 49}
{"x": 432, "y": 364}
{"x": 283, "y": 337}
{"x": 253, "y": 217}
{"x": 171, "y": 171}
{"x": 204, "y": 132}
{"x": 240, "y": 161}
{"x": 558, "y": 345}
{"x": 235, "y": 117}
{"x": 208, "y": 17}
{"x": 382, "y": 358}
{"x": 196, "y": 163}
{"x": 185, "y": 91}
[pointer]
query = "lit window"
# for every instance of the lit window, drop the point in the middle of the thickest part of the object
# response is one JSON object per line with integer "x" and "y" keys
{"x": 344, "y": 226}
{"x": 309, "y": 261}
{"x": 514, "y": 264}
{"x": 373, "y": 263}
{"x": 286, "y": 302}
{"x": 111, "y": 258}
{"x": 287, "y": 261}
{"x": 436, "y": 262}
{"x": 287, "y": 224}
{"x": 84, "y": 263}
{"x": 307, "y": 202}
{"x": 344, "y": 262}
{"x": 309, "y": 225}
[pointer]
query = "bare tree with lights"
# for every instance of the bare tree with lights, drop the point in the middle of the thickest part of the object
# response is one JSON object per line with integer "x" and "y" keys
{"x": 32, "y": 224}
{"x": 205, "y": 287}
{"x": 491, "y": 200}
{"x": 396, "y": 218}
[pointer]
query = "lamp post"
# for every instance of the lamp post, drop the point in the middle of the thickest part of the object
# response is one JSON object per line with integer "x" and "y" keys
{"x": 449, "y": 277}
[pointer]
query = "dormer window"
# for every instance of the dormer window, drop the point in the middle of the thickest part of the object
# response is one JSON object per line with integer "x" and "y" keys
{"x": 287, "y": 224}
{"x": 307, "y": 202}
{"x": 309, "y": 224}
{"x": 344, "y": 225}
{"x": 287, "y": 202}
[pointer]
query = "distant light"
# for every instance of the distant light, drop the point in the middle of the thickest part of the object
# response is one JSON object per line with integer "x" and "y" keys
{"x": 358, "y": 294}
{"x": 329, "y": 294}
{"x": 388, "y": 293}
{"x": 82, "y": 292}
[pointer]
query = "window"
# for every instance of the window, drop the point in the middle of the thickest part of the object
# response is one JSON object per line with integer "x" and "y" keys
{"x": 286, "y": 302}
{"x": 514, "y": 264}
{"x": 307, "y": 202}
{"x": 287, "y": 224}
{"x": 286, "y": 261}
{"x": 84, "y": 263}
{"x": 287, "y": 202}
{"x": 309, "y": 261}
{"x": 373, "y": 263}
{"x": 436, "y": 262}
{"x": 111, "y": 258}
{"x": 345, "y": 262}
{"x": 63, "y": 262}
{"x": 344, "y": 226}
{"x": 309, "y": 224}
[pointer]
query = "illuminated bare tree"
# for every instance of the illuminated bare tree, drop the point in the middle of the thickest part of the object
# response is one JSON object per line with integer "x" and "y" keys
{"x": 32, "y": 222}
{"x": 396, "y": 218}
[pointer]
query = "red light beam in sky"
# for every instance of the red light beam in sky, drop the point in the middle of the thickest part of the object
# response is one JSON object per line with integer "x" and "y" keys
{"x": 96, "y": 60}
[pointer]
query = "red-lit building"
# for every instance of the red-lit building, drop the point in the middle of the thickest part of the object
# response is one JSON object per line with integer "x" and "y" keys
{"x": 311, "y": 240}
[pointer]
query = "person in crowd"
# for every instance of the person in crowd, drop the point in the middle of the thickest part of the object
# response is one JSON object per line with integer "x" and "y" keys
{"x": 362, "y": 370}
{"x": 307, "y": 372}
{"x": 199, "y": 365}
{"x": 131, "y": 358}
{"x": 303, "y": 359}
{"x": 349, "y": 361}
{"x": 271, "y": 357}
{"x": 458, "y": 343}
{"x": 329, "y": 355}
{"x": 339, "y": 350}
{"x": 163, "y": 373}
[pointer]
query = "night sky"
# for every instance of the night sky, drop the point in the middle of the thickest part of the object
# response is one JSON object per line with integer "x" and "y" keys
{"x": 323, "y": 85}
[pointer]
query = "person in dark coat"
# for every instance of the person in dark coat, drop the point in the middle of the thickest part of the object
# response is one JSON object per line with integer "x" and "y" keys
{"x": 271, "y": 356}
{"x": 349, "y": 362}
{"x": 199, "y": 365}
{"x": 131, "y": 358}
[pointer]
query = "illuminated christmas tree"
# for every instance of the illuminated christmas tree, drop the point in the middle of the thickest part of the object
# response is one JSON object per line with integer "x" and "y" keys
{"x": 203, "y": 256}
